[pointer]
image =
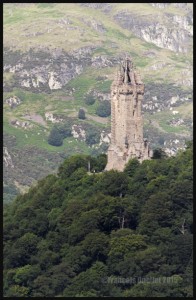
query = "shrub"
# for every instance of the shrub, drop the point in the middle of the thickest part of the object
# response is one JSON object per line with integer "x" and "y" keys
{"x": 81, "y": 114}
{"x": 92, "y": 135}
{"x": 65, "y": 129}
{"x": 131, "y": 167}
{"x": 55, "y": 137}
{"x": 159, "y": 153}
{"x": 104, "y": 109}
{"x": 59, "y": 133}
{"x": 89, "y": 100}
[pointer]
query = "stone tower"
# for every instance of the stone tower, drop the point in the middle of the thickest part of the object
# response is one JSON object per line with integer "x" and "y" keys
{"x": 127, "y": 140}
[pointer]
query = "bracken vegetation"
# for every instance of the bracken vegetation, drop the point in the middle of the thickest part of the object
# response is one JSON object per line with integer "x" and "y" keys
{"x": 103, "y": 234}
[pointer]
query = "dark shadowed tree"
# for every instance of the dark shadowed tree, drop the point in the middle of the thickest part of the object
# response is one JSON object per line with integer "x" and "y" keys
{"x": 81, "y": 114}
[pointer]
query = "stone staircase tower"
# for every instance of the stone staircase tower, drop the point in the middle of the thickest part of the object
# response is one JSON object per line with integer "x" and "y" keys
{"x": 127, "y": 140}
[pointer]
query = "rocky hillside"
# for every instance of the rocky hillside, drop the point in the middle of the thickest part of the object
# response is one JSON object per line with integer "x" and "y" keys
{"x": 61, "y": 58}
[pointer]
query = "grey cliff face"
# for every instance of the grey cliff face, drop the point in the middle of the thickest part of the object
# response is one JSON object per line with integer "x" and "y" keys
{"x": 174, "y": 33}
{"x": 45, "y": 70}
{"x": 41, "y": 69}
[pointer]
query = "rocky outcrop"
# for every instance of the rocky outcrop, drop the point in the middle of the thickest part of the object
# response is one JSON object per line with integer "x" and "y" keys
{"x": 158, "y": 97}
{"x": 50, "y": 117}
{"x": 102, "y": 61}
{"x": 156, "y": 104}
{"x": 176, "y": 122}
{"x": 105, "y": 138}
{"x": 186, "y": 77}
{"x": 7, "y": 158}
{"x": 20, "y": 124}
{"x": 172, "y": 146}
{"x": 163, "y": 37}
{"x": 97, "y": 26}
{"x": 43, "y": 70}
{"x": 184, "y": 22}
{"x": 13, "y": 69}
{"x": 175, "y": 112}
{"x": 53, "y": 82}
{"x": 164, "y": 34}
{"x": 83, "y": 52}
{"x": 78, "y": 132}
{"x": 13, "y": 101}
{"x": 174, "y": 99}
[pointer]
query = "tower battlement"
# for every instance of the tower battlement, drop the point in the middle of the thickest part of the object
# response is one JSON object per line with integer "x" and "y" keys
{"x": 127, "y": 141}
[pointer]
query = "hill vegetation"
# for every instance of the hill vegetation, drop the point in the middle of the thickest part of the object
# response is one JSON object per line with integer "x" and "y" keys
{"x": 103, "y": 234}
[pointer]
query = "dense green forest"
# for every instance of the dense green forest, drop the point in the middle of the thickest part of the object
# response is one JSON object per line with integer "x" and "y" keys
{"x": 103, "y": 234}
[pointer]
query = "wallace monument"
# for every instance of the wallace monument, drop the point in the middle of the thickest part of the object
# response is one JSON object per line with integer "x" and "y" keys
{"x": 127, "y": 140}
